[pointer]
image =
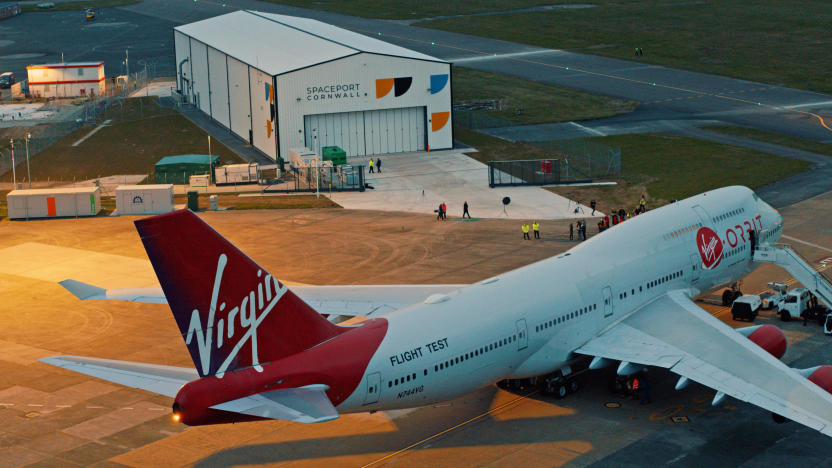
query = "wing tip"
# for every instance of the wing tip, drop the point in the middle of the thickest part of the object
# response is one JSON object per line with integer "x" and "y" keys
{"x": 82, "y": 291}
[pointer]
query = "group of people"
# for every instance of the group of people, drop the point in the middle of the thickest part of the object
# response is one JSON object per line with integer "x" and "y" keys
{"x": 442, "y": 211}
{"x": 375, "y": 165}
{"x": 621, "y": 215}
{"x": 579, "y": 226}
{"x": 535, "y": 228}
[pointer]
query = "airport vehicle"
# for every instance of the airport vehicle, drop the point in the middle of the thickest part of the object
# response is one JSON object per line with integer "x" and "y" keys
{"x": 773, "y": 300}
{"x": 746, "y": 307}
{"x": 827, "y": 324}
{"x": 90, "y": 14}
{"x": 6, "y": 80}
{"x": 794, "y": 304}
{"x": 261, "y": 351}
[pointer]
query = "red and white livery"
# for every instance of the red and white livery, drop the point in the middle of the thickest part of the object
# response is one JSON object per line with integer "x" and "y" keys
{"x": 624, "y": 296}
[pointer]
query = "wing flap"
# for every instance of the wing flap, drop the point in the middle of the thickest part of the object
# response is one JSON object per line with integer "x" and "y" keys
{"x": 88, "y": 292}
{"x": 674, "y": 333}
{"x": 164, "y": 380}
{"x": 307, "y": 404}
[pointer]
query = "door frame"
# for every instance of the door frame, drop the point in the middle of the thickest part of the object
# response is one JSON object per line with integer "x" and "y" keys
{"x": 522, "y": 334}
{"x": 373, "y": 388}
{"x": 606, "y": 293}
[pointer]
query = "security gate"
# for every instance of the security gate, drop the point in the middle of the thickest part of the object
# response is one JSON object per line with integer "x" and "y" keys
{"x": 368, "y": 132}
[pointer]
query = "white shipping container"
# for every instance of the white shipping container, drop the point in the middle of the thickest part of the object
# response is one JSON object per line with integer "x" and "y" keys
{"x": 301, "y": 157}
{"x": 236, "y": 174}
{"x": 144, "y": 199}
{"x": 54, "y": 203}
{"x": 199, "y": 180}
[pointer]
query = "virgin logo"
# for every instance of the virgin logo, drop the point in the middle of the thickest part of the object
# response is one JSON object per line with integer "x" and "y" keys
{"x": 710, "y": 247}
{"x": 236, "y": 327}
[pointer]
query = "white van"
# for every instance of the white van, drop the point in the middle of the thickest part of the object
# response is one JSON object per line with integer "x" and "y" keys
{"x": 746, "y": 307}
{"x": 795, "y": 302}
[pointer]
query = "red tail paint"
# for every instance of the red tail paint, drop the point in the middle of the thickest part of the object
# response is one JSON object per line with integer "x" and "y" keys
{"x": 232, "y": 314}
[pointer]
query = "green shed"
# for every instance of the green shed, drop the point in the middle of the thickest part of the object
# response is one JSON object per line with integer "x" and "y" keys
{"x": 334, "y": 154}
{"x": 178, "y": 169}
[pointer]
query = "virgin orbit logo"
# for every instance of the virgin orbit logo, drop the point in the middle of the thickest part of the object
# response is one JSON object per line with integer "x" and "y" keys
{"x": 710, "y": 247}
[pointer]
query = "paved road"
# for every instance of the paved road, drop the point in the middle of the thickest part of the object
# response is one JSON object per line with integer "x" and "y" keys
{"x": 666, "y": 95}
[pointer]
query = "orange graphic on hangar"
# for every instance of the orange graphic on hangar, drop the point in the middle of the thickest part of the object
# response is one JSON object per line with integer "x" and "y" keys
{"x": 383, "y": 87}
{"x": 438, "y": 120}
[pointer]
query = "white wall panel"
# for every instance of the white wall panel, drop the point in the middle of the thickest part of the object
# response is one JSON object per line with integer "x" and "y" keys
{"x": 182, "y": 51}
{"x": 238, "y": 87}
{"x": 262, "y": 125}
{"x": 350, "y": 85}
{"x": 218, "y": 86}
{"x": 199, "y": 65}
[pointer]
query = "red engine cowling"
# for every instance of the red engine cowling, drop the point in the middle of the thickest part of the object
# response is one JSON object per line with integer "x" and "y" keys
{"x": 768, "y": 337}
{"x": 822, "y": 377}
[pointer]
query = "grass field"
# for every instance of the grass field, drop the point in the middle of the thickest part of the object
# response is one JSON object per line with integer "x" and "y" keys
{"x": 776, "y": 138}
{"x": 662, "y": 167}
{"x": 79, "y": 5}
{"x": 776, "y": 41}
{"x": 529, "y": 102}
{"x": 127, "y": 146}
{"x": 409, "y": 9}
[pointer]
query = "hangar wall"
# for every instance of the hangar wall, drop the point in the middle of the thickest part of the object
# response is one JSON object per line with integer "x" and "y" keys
{"x": 366, "y": 82}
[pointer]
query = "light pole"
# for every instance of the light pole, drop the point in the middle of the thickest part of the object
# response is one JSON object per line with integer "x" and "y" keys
{"x": 28, "y": 171}
{"x": 14, "y": 171}
{"x": 209, "y": 159}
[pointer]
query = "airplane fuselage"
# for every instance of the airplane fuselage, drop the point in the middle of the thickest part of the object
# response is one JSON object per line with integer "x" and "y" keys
{"x": 529, "y": 322}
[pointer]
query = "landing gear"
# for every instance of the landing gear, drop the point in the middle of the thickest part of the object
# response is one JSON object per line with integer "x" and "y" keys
{"x": 558, "y": 385}
{"x": 729, "y": 295}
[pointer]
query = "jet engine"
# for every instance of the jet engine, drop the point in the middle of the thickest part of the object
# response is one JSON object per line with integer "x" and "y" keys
{"x": 820, "y": 376}
{"x": 768, "y": 337}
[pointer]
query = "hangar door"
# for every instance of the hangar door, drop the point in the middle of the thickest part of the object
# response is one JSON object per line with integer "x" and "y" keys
{"x": 368, "y": 132}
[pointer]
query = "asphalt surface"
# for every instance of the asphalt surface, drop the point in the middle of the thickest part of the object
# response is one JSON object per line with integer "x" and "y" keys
{"x": 666, "y": 95}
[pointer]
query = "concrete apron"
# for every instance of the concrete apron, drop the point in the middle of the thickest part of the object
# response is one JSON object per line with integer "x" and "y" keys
{"x": 419, "y": 182}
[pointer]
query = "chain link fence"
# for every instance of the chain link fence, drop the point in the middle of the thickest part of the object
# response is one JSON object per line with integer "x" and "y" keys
{"x": 524, "y": 172}
{"x": 478, "y": 120}
{"x": 584, "y": 160}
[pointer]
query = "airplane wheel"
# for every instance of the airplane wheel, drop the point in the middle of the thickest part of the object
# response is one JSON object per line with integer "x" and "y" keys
{"x": 785, "y": 316}
{"x": 561, "y": 391}
{"x": 727, "y": 297}
{"x": 574, "y": 386}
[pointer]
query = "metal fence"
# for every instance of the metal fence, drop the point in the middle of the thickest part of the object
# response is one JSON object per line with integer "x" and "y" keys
{"x": 524, "y": 172}
{"x": 477, "y": 120}
{"x": 584, "y": 160}
{"x": 343, "y": 178}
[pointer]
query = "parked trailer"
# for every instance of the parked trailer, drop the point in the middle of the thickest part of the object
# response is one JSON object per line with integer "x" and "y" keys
{"x": 54, "y": 203}
{"x": 236, "y": 174}
{"x": 303, "y": 157}
{"x": 144, "y": 199}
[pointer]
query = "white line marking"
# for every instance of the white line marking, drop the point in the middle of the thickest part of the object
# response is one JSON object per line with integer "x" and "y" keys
{"x": 794, "y": 239}
{"x": 62, "y": 406}
{"x": 809, "y": 104}
{"x": 91, "y": 133}
{"x": 480, "y": 58}
{"x": 589, "y": 130}
{"x": 34, "y": 404}
{"x": 6, "y": 404}
{"x": 95, "y": 407}
{"x": 127, "y": 407}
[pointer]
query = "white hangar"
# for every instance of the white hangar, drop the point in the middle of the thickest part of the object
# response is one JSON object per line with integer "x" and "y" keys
{"x": 284, "y": 82}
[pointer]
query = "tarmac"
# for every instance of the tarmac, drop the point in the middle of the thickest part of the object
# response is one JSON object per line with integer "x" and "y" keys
{"x": 419, "y": 182}
{"x": 54, "y": 417}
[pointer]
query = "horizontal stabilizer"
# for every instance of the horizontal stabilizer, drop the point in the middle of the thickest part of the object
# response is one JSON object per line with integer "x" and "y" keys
{"x": 307, "y": 404}
{"x": 88, "y": 292}
{"x": 164, "y": 380}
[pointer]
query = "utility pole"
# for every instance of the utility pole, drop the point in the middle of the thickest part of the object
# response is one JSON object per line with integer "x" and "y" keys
{"x": 28, "y": 171}
{"x": 14, "y": 171}
{"x": 209, "y": 159}
{"x": 127, "y": 64}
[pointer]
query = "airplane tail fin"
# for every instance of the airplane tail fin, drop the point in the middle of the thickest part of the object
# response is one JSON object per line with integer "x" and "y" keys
{"x": 232, "y": 314}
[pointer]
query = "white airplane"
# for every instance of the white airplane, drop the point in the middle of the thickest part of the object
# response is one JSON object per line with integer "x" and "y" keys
{"x": 623, "y": 296}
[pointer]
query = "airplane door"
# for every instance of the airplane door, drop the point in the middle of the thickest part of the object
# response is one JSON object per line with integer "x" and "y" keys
{"x": 702, "y": 214}
{"x": 694, "y": 267}
{"x": 373, "y": 388}
{"x": 607, "y": 294}
{"x": 522, "y": 335}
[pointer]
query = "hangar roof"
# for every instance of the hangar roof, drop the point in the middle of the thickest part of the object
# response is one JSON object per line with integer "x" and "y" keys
{"x": 278, "y": 44}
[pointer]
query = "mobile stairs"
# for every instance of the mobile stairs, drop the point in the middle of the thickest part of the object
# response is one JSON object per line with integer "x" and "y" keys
{"x": 782, "y": 255}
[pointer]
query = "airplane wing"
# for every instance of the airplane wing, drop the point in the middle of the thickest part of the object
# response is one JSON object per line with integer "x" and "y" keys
{"x": 368, "y": 301}
{"x": 674, "y": 333}
{"x": 164, "y": 380}
{"x": 307, "y": 404}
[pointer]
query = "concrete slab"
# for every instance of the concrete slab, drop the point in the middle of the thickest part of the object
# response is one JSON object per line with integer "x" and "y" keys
{"x": 419, "y": 182}
{"x": 52, "y": 263}
{"x": 155, "y": 88}
{"x": 116, "y": 421}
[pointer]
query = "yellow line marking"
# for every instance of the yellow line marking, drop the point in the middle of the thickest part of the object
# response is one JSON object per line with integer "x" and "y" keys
{"x": 438, "y": 434}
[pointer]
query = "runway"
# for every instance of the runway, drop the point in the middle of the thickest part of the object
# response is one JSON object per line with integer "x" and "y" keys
{"x": 680, "y": 97}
